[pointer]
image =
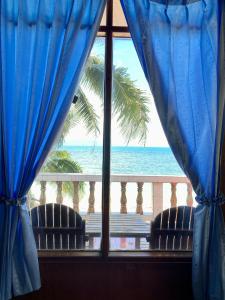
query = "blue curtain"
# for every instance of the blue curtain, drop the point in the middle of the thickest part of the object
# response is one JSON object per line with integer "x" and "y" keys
{"x": 180, "y": 47}
{"x": 43, "y": 47}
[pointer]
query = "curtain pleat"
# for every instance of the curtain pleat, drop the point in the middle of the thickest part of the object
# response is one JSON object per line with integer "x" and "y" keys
{"x": 180, "y": 45}
{"x": 43, "y": 48}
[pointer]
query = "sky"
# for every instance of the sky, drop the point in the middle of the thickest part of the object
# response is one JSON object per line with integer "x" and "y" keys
{"x": 124, "y": 55}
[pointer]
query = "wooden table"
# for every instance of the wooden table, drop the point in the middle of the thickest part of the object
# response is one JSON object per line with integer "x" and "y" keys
{"x": 121, "y": 226}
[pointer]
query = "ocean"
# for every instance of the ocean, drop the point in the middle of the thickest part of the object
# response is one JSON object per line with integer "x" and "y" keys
{"x": 127, "y": 160}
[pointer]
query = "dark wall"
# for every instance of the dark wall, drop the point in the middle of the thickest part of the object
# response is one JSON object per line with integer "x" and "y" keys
{"x": 85, "y": 279}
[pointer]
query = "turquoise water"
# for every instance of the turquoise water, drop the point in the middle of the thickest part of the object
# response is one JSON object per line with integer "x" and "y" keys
{"x": 127, "y": 160}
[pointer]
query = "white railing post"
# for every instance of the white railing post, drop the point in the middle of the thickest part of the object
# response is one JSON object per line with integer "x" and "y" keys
{"x": 43, "y": 192}
{"x": 123, "y": 199}
{"x": 139, "y": 208}
{"x": 76, "y": 199}
{"x": 59, "y": 197}
{"x": 91, "y": 199}
{"x": 156, "y": 181}
{"x": 173, "y": 199}
{"x": 157, "y": 198}
{"x": 189, "y": 199}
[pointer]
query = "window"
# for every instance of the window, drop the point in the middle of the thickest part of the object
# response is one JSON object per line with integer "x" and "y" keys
{"x": 112, "y": 147}
{"x": 63, "y": 197}
{"x": 145, "y": 177}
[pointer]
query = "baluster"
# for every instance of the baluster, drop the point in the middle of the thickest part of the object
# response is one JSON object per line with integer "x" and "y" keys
{"x": 189, "y": 199}
{"x": 157, "y": 197}
{"x": 76, "y": 196}
{"x": 123, "y": 199}
{"x": 91, "y": 199}
{"x": 43, "y": 192}
{"x": 173, "y": 199}
{"x": 139, "y": 209}
{"x": 59, "y": 198}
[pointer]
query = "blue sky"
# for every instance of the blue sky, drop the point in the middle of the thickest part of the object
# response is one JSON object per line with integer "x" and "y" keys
{"x": 124, "y": 54}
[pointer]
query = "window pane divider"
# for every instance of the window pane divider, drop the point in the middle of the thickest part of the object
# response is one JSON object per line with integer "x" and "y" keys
{"x": 107, "y": 130}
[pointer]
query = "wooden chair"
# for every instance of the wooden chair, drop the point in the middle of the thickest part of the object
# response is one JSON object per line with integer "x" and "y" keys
{"x": 57, "y": 227}
{"x": 172, "y": 229}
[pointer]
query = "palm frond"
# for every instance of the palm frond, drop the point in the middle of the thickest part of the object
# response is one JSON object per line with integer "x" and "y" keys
{"x": 62, "y": 162}
{"x": 85, "y": 113}
{"x": 130, "y": 105}
{"x": 70, "y": 122}
{"x": 93, "y": 77}
{"x": 82, "y": 111}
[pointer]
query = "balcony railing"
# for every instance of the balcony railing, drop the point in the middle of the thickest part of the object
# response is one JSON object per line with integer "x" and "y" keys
{"x": 156, "y": 181}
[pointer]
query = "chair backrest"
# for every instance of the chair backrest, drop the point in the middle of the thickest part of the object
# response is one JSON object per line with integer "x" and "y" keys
{"x": 57, "y": 226}
{"x": 172, "y": 229}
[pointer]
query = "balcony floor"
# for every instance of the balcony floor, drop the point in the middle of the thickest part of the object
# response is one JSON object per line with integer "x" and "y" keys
{"x": 127, "y": 231}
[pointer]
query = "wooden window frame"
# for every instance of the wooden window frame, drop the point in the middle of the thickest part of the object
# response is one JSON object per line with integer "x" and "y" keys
{"x": 104, "y": 253}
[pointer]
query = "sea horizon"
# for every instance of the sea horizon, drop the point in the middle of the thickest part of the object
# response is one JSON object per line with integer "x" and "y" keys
{"x": 126, "y": 159}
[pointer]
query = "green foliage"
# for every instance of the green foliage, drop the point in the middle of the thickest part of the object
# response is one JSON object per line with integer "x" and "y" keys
{"x": 70, "y": 122}
{"x": 93, "y": 77}
{"x": 32, "y": 201}
{"x": 130, "y": 107}
{"x": 62, "y": 162}
{"x": 85, "y": 112}
{"x": 130, "y": 104}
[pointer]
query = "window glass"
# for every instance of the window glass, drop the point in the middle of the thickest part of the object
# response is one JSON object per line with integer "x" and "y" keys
{"x": 151, "y": 202}
{"x": 147, "y": 184}
{"x": 67, "y": 191}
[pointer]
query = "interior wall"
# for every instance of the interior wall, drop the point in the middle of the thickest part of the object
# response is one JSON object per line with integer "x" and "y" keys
{"x": 114, "y": 280}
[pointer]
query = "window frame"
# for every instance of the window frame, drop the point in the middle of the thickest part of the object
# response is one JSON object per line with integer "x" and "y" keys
{"x": 109, "y": 30}
{"x": 104, "y": 253}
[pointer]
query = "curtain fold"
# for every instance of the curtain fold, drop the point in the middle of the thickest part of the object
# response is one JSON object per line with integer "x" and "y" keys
{"x": 43, "y": 48}
{"x": 180, "y": 45}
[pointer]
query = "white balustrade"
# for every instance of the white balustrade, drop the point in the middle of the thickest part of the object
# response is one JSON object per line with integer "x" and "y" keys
{"x": 91, "y": 199}
{"x": 189, "y": 199}
{"x": 59, "y": 198}
{"x": 173, "y": 199}
{"x": 157, "y": 183}
{"x": 76, "y": 199}
{"x": 139, "y": 209}
{"x": 43, "y": 192}
{"x": 123, "y": 199}
{"x": 157, "y": 192}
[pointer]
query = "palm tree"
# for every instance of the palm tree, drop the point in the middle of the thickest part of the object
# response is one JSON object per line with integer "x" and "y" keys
{"x": 58, "y": 161}
{"x": 63, "y": 162}
{"x": 129, "y": 106}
